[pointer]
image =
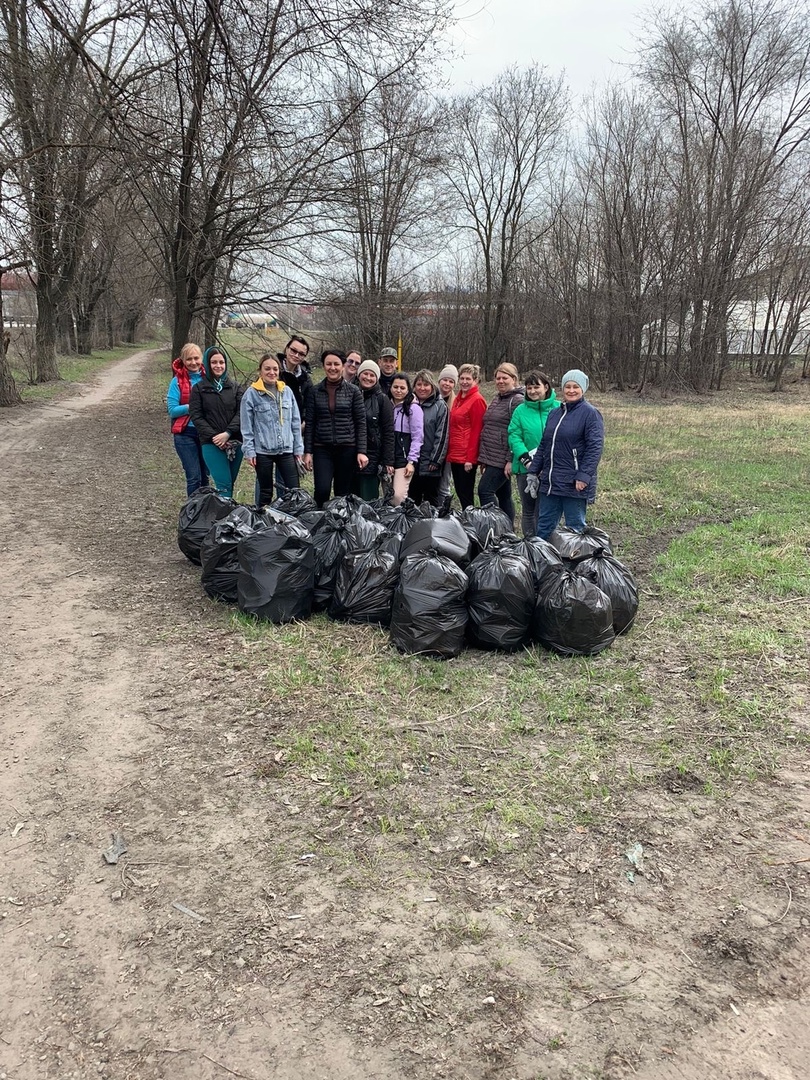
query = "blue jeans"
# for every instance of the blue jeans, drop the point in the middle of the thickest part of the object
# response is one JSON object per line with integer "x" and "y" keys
{"x": 496, "y": 486}
{"x": 187, "y": 445}
{"x": 223, "y": 472}
{"x": 552, "y": 508}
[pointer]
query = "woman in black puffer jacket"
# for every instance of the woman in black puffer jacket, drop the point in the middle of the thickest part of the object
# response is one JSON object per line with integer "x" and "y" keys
{"x": 335, "y": 430}
{"x": 213, "y": 409}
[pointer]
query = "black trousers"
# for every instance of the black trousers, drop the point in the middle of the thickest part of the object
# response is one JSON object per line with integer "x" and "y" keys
{"x": 425, "y": 488}
{"x": 333, "y": 465}
{"x": 464, "y": 483}
{"x": 286, "y": 474}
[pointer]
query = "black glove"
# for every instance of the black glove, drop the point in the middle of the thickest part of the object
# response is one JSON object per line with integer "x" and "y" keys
{"x": 525, "y": 460}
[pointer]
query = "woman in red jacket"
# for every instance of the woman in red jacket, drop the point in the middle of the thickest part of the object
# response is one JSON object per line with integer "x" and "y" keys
{"x": 466, "y": 421}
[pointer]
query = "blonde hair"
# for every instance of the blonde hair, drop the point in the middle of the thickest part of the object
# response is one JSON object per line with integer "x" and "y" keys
{"x": 189, "y": 348}
{"x": 470, "y": 369}
{"x": 510, "y": 370}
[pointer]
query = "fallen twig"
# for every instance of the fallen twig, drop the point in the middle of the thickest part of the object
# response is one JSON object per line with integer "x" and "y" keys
{"x": 75, "y": 572}
{"x": 787, "y": 909}
{"x": 452, "y": 716}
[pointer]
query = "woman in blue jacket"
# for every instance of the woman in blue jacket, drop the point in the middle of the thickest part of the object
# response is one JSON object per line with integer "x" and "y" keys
{"x": 563, "y": 470}
{"x": 271, "y": 430}
{"x": 188, "y": 371}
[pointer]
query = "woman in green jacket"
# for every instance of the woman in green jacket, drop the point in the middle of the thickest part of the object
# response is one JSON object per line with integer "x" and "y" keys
{"x": 525, "y": 431}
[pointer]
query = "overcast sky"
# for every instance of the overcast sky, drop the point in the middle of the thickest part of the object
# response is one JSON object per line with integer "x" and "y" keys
{"x": 590, "y": 39}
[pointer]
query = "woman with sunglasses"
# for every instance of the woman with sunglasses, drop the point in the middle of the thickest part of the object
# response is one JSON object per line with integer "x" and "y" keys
{"x": 296, "y": 372}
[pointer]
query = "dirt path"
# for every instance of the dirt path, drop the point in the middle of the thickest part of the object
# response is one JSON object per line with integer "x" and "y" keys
{"x": 139, "y": 970}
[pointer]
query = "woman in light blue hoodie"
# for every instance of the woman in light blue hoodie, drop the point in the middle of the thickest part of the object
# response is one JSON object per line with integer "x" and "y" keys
{"x": 271, "y": 430}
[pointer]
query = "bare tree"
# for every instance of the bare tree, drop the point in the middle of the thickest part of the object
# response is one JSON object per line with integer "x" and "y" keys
{"x": 54, "y": 68}
{"x": 386, "y": 206}
{"x": 732, "y": 92}
{"x": 502, "y": 150}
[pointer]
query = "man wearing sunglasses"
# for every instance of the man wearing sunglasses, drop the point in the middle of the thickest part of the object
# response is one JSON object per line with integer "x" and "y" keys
{"x": 353, "y": 362}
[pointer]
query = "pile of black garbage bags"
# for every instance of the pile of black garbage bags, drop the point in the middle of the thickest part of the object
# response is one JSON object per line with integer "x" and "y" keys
{"x": 438, "y": 583}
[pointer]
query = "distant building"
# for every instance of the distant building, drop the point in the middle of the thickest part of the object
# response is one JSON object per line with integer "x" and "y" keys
{"x": 19, "y": 300}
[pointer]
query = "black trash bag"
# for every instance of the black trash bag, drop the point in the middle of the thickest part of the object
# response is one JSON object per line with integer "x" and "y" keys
{"x": 348, "y": 506}
{"x": 197, "y": 515}
{"x": 572, "y": 615}
{"x": 542, "y": 557}
{"x": 294, "y": 501}
{"x": 574, "y": 545}
{"x": 311, "y": 519}
{"x": 378, "y": 504}
{"x": 363, "y": 533}
{"x": 483, "y": 524}
{"x": 444, "y": 535}
{"x": 276, "y": 579}
{"x": 613, "y": 578}
{"x": 219, "y": 556}
{"x": 329, "y": 542}
{"x": 429, "y": 615}
{"x": 364, "y": 590}
{"x": 500, "y": 599}
{"x": 400, "y": 519}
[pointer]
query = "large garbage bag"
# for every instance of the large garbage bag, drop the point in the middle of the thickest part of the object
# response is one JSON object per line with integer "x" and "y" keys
{"x": 615, "y": 579}
{"x": 444, "y": 535}
{"x": 543, "y": 558}
{"x": 294, "y": 501}
{"x": 483, "y": 524}
{"x": 219, "y": 556}
{"x": 572, "y": 615}
{"x": 329, "y": 542}
{"x": 400, "y": 519}
{"x": 349, "y": 506}
{"x": 362, "y": 533}
{"x": 197, "y": 515}
{"x": 276, "y": 578}
{"x": 429, "y": 615}
{"x": 364, "y": 590}
{"x": 311, "y": 519}
{"x": 577, "y": 545}
{"x": 500, "y": 599}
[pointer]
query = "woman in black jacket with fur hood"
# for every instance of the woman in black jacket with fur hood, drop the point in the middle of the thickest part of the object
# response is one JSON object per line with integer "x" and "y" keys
{"x": 214, "y": 410}
{"x": 335, "y": 430}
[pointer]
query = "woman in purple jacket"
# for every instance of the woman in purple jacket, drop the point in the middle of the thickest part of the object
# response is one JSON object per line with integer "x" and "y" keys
{"x": 408, "y": 435}
{"x": 563, "y": 471}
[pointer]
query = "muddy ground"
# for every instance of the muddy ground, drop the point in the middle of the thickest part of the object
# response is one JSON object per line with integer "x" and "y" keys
{"x": 229, "y": 940}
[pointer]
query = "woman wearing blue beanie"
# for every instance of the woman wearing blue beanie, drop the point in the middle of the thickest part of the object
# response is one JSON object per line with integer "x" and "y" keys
{"x": 563, "y": 471}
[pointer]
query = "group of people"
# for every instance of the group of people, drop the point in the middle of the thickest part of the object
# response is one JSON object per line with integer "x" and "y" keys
{"x": 367, "y": 424}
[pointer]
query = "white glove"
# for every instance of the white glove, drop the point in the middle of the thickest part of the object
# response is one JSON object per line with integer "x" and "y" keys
{"x": 532, "y": 485}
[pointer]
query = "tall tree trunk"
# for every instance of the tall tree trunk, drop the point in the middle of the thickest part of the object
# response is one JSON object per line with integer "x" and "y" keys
{"x": 45, "y": 351}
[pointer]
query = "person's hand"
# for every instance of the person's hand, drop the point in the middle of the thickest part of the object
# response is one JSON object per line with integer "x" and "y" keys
{"x": 507, "y": 470}
{"x": 532, "y": 485}
{"x": 409, "y": 470}
{"x": 389, "y": 469}
{"x": 433, "y": 467}
{"x": 221, "y": 439}
{"x": 251, "y": 462}
{"x": 469, "y": 466}
{"x": 580, "y": 485}
{"x": 362, "y": 461}
{"x": 525, "y": 461}
{"x": 307, "y": 459}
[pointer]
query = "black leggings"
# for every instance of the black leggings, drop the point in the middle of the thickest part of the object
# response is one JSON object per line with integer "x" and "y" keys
{"x": 286, "y": 475}
{"x": 333, "y": 464}
{"x": 464, "y": 483}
